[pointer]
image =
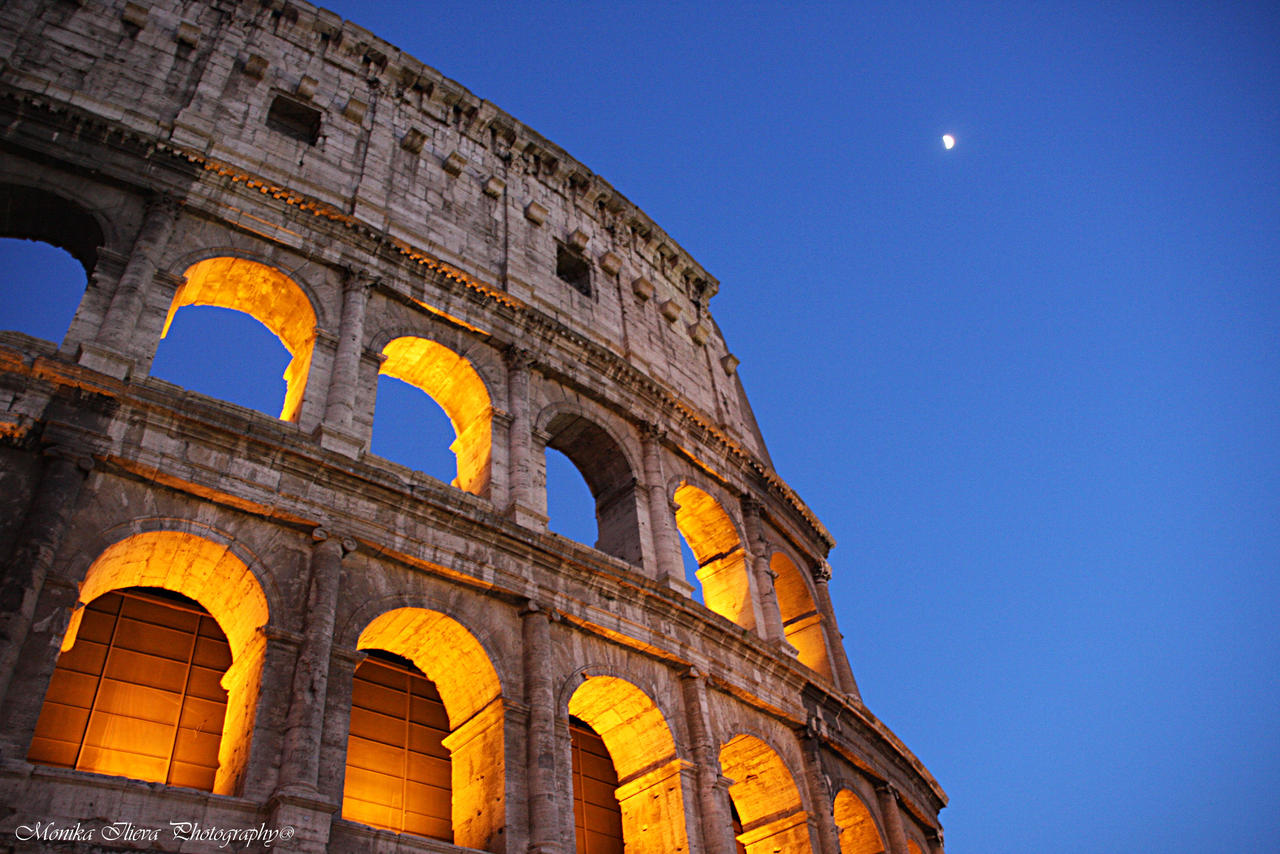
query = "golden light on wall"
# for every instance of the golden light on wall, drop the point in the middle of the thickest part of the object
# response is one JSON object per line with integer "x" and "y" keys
{"x": 212, "y": 575}
{"x": 800, "y": 618}
{"x": 858, "y": 833}
{"x": 139, "y": 693}
{"x": 451, "y": 658}
{"x": 714, "y": 541}
{"x": 267, "y": 295}
{"x": 453, "y": 383}
{"x": 766, "y": 798}
{"x": 639, "y": 741}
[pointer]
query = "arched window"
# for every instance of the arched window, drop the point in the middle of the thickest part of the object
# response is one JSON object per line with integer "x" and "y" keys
{"x": 597, "y": 818}
{"x": 717, "y": 548}
{"x": 269, "y": 297}
{"x": 425, "y": 748}
{"x": 139, "y": 694}
{"x": 49, "y": 250}
{"x": 638, "y": 745}
{"x": 765, "y": 797}
{"x": 398, "y": 772}
{"x": 609, "y": 477}
{"x": 571, "y": 509}
{"x": 858, "y": 832}
{"x": 452, "y": 382}
{"x": 800, "y": 618}
{"x": 187, "y": 569}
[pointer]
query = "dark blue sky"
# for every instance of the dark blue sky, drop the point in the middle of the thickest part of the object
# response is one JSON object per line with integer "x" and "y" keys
{"x": 1031, "y": 384}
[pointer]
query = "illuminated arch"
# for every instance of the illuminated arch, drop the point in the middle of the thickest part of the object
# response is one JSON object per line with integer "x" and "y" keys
{"x": 209, "y": 573}
{"x": 644, "y": 755}
{"x": 451, "y": 381}
{"x": 801, "y": 620}
{"x": 766, "y": 798}
{"x": 858, "y": 831}
{"x": 913, "y": 847}
{"x": 722, "y": 561}
{"x": 451, "y": 657}
{"x": 604, "y": 464}
{"x": 265, "y": 294}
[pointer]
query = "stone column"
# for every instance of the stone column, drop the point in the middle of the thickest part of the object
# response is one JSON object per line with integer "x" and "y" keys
{"x": 117, "y": 331}
{"x": 835, "y": 640}
{"x": 521, "y": 507}
{"x": 887, "y": 796}
{"x": 36, "y": 545}
{"x": 662, "y": 517}
{"x": 337, "y": 432}
{"x": 770, "y": 625}
{"x": 544, "y": 806}
{"x": 304, "y": 724}
{"x": 819, "y": 793}
{"x": 716, "y": 827}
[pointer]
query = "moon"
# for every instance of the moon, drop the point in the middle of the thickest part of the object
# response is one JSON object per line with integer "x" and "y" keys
{"x": 948, "y": 141}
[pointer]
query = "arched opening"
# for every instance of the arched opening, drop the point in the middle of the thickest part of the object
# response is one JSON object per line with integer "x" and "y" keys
{"x": 31, "y": 214}
{"x": 40, "y": 289}
{"x": 139, "y": 694}
{"x": 800, "y": 618}
{"x": 249, "y": 362}
{"x": 452, "y": 382}
{"x": 138, "y": 681}
{"x": 913, "y": 847}
{"x": 766, "y": 798}
{"x": 608, "y": 475}
{"x": 857, "y": 828}
{"x": 49, "y": 250}
{"x": 398, "y": 771}
{"x": 597, "y": 817}
{"x": 265, "y": 294}
{"x": 410, "y": 428}
{"x": 717, "y": 548}
{"x": 440, "y": 775}
{"x": 571, "y": 509}
{"x": 638, "y": 742}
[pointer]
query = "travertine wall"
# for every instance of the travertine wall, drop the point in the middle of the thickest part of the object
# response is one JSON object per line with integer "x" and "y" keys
{"x": 271, "y": 158}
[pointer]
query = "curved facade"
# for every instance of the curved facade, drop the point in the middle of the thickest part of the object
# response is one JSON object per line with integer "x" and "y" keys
{"x": 405, "y": 663}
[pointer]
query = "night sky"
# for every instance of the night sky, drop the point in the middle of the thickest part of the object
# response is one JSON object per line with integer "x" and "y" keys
{"x": 1031, "y": 384}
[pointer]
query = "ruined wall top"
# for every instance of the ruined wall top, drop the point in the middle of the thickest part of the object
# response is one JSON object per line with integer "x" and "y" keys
{"x": 291, "y": 100}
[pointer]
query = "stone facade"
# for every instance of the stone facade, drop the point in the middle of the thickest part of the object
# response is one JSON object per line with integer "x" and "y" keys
{"x": 271, "y": 158}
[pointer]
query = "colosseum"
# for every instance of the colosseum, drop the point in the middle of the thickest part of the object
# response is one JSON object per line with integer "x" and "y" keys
{"x": 225, "y": 630}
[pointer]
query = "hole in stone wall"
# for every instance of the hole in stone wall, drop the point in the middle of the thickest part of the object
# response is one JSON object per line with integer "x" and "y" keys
{"x": 570, "y": 507}
{"x": 225, "y": 354}
{"x": 295, "y": 119}
{"x": 410, "y": 428}
{"x": 573, "y": 269}
{"x": 40, "y": 288}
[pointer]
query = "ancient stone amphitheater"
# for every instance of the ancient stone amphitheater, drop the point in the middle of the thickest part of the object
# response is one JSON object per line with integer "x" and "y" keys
{"x": 221, "y": 627}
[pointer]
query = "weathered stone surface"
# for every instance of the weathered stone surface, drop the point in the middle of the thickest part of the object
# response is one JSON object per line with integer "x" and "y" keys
{"x": 378, "y": 218}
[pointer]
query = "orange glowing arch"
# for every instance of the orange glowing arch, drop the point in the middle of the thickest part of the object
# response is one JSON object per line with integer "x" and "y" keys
{"x": 265, "y": 294}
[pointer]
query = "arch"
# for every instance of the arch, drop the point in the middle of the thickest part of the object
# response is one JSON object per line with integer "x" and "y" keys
{"x": 857, "y": 827}
{"x": 37, "y": 214}
{"x": 453, "y": 382}
{"x": 913, "y": 847}
{"x": 211, "y": 575}
{"x": 643, "y": 752}
{"x": 450, "y": 657}
{"x": 270, "y": 297}
{"x": 801, "y": 620}
{"x": 766, "y": 797}
{"x": 717, "y": 547}
{"x": 605, "y": 465}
